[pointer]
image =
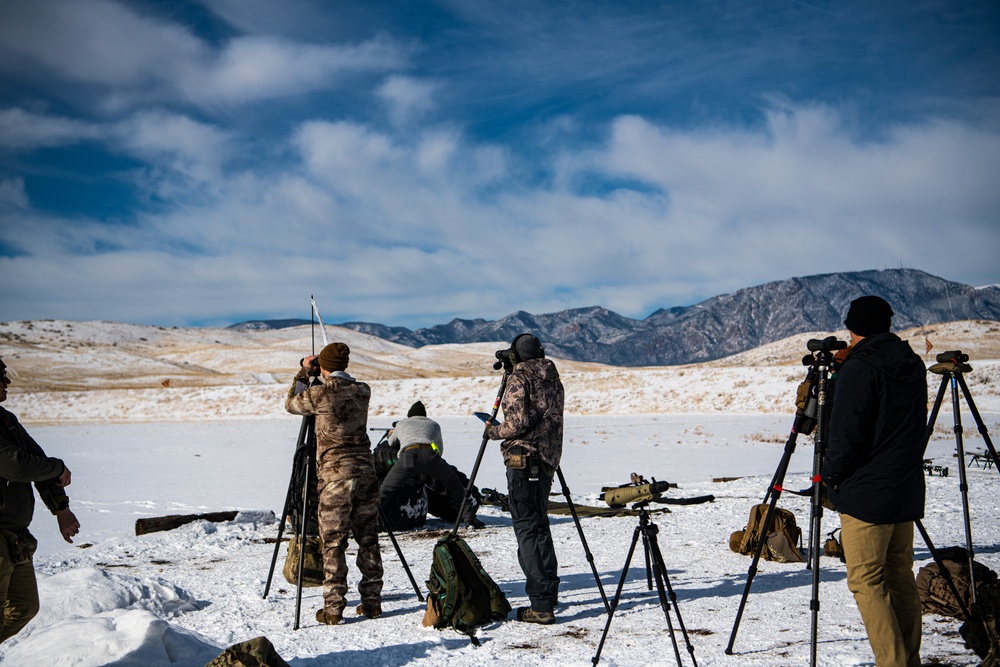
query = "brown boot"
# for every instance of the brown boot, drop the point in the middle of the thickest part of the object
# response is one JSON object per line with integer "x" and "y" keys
{"x": 327, "y": 617}
{"x": 529, "y": 615}
{"x": 369, "y": 609}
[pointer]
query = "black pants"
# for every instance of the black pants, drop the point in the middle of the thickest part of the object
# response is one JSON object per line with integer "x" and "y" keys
{"x": 529, "y": 504}
{"x": 415, "y": 461}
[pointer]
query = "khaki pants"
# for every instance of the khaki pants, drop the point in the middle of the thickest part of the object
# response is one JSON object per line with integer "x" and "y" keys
{"x": 18, "y": 592}
{"x": 880, "y": 574}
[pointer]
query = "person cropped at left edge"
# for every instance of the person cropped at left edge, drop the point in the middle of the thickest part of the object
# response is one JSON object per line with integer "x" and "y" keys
{"x": 22, "y": 462}
{"x": 347, "y": 486}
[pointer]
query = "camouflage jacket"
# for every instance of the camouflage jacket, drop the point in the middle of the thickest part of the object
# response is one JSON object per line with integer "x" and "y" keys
{"x": 22, "y": 462}
{"x": 340, "y": 405}
{"x": 532, "y": 411}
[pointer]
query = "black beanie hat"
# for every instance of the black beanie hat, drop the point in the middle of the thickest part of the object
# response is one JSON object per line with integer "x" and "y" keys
{"x": 527, "y": 347}
{"x": 417, "y": 410}
{"x": 869, "y": 315}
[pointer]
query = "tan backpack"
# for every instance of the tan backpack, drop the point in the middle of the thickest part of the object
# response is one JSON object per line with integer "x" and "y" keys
{"x": 781, "y": 544}
{"x": 312, "y": 568}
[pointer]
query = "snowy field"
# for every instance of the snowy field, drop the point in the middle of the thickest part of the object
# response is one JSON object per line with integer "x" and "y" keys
{"x": 180, "y": 597}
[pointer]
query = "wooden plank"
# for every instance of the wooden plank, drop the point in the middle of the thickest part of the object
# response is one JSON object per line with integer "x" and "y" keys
{"x": 160, "y": 523}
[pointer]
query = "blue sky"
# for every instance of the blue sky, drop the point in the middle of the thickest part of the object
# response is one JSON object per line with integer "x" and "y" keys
{"x": 201, "y": 163}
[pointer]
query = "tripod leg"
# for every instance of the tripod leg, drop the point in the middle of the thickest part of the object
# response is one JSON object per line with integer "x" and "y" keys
{"x": 583, "y": 539}
{"x": 815, "y": 550}
{"x": 934, "y": 412}
{"x": 309, "y": 457}
{"x": 963, "y": 482}
{"x": 752, "y": 572}
{"x": 649, "y": 568}
{"x": 779, "y": 472}
{"x": 479, "y": 457}
{"x": 618, "y": 594}
{"x": 399, "y": 552}
{"x": 281, "y": 521}
{"x": 979, "y": 422}
{"x": 663, "y": 587}
{"x": 942, "y": 569}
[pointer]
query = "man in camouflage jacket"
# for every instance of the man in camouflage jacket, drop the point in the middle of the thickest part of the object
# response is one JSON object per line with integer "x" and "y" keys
{"x": 22, "y": 462}
{"x": 348, "y": 489}
{"x": 532, "y": 432}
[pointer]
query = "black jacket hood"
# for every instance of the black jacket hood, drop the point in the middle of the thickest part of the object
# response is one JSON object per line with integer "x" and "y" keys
{"x": 888, "y": 354}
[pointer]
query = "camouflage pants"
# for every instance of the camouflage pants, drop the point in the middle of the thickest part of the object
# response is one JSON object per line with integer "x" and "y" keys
{"x": 18, "y": 590}
{"x": 349, "y": 505}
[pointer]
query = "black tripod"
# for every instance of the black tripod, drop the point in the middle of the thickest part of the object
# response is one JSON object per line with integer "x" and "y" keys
{"x": 814, "y": 395}
{"x": 298, "y": 503}
{"x": 562, "y": 480}
{"x": 952, "y": 366}
{"x": 665, "y": 592}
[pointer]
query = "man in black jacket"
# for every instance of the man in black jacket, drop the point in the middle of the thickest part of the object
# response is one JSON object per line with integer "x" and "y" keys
{"x": 22, "y": 462}
{"x": 874, "y": 475}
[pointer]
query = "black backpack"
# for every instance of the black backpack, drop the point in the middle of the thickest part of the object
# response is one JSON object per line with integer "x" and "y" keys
{"x": 461, "y": 594}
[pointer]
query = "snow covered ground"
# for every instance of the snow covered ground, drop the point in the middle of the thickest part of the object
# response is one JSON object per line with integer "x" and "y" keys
{"x": 180, "y": 597}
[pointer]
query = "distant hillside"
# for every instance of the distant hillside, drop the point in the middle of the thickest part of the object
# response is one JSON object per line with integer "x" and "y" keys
{"x": 719, "y": 326}
{"x": 267, "y": 325}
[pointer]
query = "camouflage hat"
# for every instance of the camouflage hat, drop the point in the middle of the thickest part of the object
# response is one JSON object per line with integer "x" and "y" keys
{"x": 334, "y": 357}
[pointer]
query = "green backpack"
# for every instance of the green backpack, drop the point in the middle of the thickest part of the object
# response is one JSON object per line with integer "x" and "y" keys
{"x": 462, "y": 595}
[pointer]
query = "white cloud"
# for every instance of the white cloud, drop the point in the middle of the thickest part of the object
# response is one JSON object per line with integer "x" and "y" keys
{"x": 12, "y": 194}
{"x": 422, "y": 226}
{"x": 175, "y": 141}
{"x": 408, "y": 99}
{"x": 133, "y": 58}
{"x": 22, "y": 130}
{"x": 252, "y": 68}
{"x": 95, "y": 41}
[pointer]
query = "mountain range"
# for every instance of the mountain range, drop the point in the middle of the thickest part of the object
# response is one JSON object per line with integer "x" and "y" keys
{"x": 715, "y": 328}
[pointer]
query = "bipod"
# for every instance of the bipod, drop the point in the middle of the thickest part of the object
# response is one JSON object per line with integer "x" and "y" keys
{"x": 811, "y": 410}
{"x": 303, "y": 470}
{"x": 952, "y": 367}
{"x": 664, "y": 590}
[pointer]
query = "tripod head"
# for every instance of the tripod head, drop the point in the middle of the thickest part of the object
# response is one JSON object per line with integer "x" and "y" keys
{"x": 953, "y": 361}
{"x": 818, "y": 360}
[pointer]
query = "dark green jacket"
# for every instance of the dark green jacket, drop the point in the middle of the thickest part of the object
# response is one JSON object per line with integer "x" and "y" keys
{"x": 22, "y": 462}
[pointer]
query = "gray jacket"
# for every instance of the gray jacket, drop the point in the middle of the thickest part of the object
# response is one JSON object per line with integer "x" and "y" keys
{"x": 417, "y": 431}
